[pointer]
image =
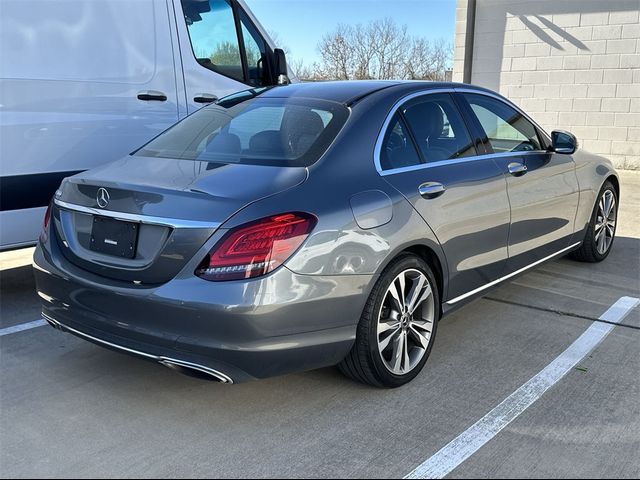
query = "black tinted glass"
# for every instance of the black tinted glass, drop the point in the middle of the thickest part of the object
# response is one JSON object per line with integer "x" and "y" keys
{"x": 438, "y": 128}
{"x": 259, "y": 131}
{"x": 398, "y": 150}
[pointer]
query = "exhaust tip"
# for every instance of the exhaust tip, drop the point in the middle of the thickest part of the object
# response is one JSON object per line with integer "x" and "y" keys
{"x": 195, "y": 370}
{"x": 52, "y": 322}
{"x": 186, "y": 368}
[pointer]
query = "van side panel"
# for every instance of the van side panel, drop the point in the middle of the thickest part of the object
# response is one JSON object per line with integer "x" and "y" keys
{"x": 70, "y": 75}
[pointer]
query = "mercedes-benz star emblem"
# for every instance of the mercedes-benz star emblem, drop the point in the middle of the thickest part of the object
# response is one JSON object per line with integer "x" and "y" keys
{"x": 102, "y": 197}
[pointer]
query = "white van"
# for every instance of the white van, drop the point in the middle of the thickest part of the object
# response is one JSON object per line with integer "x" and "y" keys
{"x": 84, "y": 82}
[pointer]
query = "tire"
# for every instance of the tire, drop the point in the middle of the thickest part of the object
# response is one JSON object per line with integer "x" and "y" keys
{"x": 591, "y": 248}
{"x": 367, "y": 363}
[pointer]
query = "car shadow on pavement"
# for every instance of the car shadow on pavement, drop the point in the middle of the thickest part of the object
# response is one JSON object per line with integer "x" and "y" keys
{"x": 19, "y": 301}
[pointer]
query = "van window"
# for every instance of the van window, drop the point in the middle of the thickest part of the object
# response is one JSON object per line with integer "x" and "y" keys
{"x": 507, "y": 130}
{"x": 214, "y": 37}
{"x": 256, "y": 50}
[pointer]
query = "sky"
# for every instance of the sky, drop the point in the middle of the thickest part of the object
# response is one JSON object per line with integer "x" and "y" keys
{"x": 300, "y": 24}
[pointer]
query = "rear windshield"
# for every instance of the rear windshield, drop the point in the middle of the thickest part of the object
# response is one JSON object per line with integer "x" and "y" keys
{"x": 257, "y": 131}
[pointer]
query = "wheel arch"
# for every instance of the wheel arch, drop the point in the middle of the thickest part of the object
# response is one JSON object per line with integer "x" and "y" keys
{"x": 429, "y": 256}
{"x": 616, "y": 184}
{"x": 435, "y": 261}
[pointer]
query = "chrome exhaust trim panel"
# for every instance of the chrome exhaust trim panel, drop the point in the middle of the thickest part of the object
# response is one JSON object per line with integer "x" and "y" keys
{"x": 172, "y": 363}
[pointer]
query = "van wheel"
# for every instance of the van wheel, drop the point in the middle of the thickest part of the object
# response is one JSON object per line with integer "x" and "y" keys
{"x": 398, "y": 326}
{"x": 601, "y": 231}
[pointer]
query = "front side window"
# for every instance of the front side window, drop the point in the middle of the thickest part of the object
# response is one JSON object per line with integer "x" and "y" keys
{"x": 438, "y": 128}
{"x": 507, "y": 130}
{"x": 213, "y": 34}
{"x": 253, "y": 130}
{"x": 256, "y": 51}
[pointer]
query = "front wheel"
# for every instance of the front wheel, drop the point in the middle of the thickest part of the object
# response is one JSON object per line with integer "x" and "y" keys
{"x": 602, "y": 227}
{"x": 398, "y": 326}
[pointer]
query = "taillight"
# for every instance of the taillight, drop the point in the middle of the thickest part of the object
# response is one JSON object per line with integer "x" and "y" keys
{"x": 44, "y": 235}
{"x": 256, "y": 248}
{"x": 47, "y": 217}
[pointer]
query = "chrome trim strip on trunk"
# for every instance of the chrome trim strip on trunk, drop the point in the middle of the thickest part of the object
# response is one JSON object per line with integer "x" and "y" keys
{"x": 513, "y": 274}
{"x": 160, "y": 359}
{"x": 134, "y": 217}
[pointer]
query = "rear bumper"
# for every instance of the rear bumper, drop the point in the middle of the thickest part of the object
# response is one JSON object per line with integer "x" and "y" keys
{"x": 167, "y": 361}
{"x": 232, "y": 331}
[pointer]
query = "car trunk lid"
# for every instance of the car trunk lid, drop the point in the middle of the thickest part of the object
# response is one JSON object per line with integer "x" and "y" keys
{"x": 141, "y": 219}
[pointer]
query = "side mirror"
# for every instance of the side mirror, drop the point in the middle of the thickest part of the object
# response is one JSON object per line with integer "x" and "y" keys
{"x": 280, "y": 61}
{"x": 563, "y": 142}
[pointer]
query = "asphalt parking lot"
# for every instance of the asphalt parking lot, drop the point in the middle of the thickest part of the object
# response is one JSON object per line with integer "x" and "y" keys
{"x": 72, "y": 409}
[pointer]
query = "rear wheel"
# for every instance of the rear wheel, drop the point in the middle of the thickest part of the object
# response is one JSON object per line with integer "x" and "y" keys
{"x": 398, "y": 326}
{"x": 602, "y": 227}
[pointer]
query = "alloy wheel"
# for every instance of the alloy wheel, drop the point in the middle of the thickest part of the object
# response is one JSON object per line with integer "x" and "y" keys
{"x": 605, "y": 226}
{"x": 405, "y": 321}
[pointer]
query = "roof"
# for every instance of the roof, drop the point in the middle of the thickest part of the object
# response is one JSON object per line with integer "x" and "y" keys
{"x": 350, "y": 91}
{"x": 345, "y": 91}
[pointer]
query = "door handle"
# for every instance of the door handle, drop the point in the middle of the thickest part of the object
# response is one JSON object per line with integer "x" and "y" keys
{"x": 205, "y": 98}
{"x": 517, "y": 169}
{"x": 431, "y": 189}
{"x": 147, "y": 95}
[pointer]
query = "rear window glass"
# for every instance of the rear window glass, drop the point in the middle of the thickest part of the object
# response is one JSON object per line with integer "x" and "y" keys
{"x": 257, "y": 131}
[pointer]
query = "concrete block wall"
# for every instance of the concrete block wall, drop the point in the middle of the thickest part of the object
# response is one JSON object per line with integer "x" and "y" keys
{"x": 571, "y": 64}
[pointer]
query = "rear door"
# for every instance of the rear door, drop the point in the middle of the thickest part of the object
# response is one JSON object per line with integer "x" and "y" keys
{"x": 223, "y": 50}
{"x": 542, "y": 186}
{"x": 428, "y": 154}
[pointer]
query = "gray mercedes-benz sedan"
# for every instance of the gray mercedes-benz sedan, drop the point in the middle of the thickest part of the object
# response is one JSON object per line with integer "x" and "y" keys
{"x": 291, "y": 228}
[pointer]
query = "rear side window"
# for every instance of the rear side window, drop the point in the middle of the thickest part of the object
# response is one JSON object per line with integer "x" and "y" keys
{"x": 258, "y": 131}
{"x": 398, "y": 149}
{"x": 507, "y": 130}
{"x": 438, "y": 128}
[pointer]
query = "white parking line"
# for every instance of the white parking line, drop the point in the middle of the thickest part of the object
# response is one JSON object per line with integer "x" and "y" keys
{"x": 21, "y": 327}
{"x": 470, "y": 441}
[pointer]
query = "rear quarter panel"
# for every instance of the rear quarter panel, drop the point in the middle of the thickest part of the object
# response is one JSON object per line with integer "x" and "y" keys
{"x": 339, "y": 245}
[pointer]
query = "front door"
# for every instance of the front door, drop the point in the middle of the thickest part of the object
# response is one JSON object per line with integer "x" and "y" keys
{"x": 222, "y": 50}
{"x": 542, "y": 185}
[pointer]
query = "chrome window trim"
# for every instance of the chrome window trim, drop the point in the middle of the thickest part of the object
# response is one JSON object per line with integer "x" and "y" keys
{"x": 454, "y": 161}
{"x": 486, "y": 156}
{"x": 134, "y": 217}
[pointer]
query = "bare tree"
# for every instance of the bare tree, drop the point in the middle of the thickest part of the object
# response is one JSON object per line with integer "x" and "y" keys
{"x": 277, "y": 41}
{"x": 337, "y": 54}
{"x": 380, "y": 49}
{"x": 427, "y": 61}
{"x": 303, "y": 72}
{"x": 297, "y": 65}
